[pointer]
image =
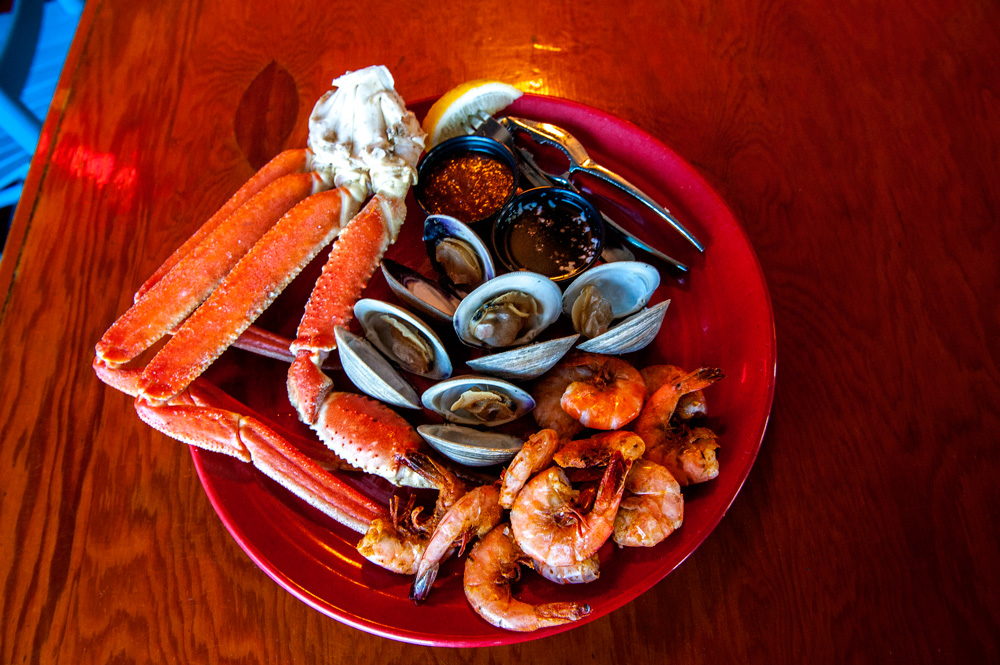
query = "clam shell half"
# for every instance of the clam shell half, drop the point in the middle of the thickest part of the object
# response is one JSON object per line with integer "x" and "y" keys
{"x": 632, "y": 334}
{"x": 418, "y": 292}
{"x": 442, "y": 397}
{"x": 525, "y": 362}
{"x": 371, "y": 372}
{"x": 470, "y": 446}
{"x": 370, "y": 313}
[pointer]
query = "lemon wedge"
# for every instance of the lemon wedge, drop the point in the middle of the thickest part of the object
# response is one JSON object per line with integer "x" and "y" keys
{"x": 458, "y": 110}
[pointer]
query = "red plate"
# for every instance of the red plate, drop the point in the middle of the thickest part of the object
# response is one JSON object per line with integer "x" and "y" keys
{"x": 720, "y": 317}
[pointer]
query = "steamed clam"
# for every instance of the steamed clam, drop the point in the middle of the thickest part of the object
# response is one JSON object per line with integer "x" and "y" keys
{"x": 607, "y": 293}
{"x": 457, "y": 253}
{"x": 418, "y": 292}
{"x": 509, "y": 310}
{"x": 470, "y": 446}
{"x": 403, "y": 338}
{"x": 477, "y": 400}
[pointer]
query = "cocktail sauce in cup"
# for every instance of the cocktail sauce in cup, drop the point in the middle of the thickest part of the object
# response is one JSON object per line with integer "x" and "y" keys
{"x": 469, "y": 178}
{"x": 549, "y": 230}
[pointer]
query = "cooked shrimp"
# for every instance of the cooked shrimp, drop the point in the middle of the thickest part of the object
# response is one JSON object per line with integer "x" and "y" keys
{"x": 470, "y": 517}
{"x": 653, "y": 507}
{"x": 393, "y": 544}
{"x": 609, "y": 397}
{"x": 586, "y": 571}
{"x": 690, "y": 458}
{"x": 398, "y": 543}
{"x": 691, "y": 405}
{"x": 490, "y": 568}
{"x": 662, "y": 403}
{"x": 548, "y": 394}
{"x": 535, "y": 455}
{"x": 598, "y": 449}
{"x": 689, "y": 455}
{"x": 551, "y": 528}
{"x": 450, "y": 488}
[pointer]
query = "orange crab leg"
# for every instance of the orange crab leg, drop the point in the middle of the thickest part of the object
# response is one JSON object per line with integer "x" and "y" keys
{"x": 352, "y": 261}
{"x": 289, "y": 161}
{"x": 205, "y": 416}
{"x": 190, "y": 281}
{"x": 246, "y": 292}
{"x": 349, "y": 422}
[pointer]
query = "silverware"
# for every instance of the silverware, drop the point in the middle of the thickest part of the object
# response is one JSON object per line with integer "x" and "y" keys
{"x": 532, "y": 174}
{"x": 581, "y": 162}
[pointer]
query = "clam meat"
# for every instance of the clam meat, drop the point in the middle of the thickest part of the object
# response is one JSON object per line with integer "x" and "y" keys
{"x": 457, "y": 253}
{"x": 485, "y": 405}
{"x": 591, "y": 312}
{"x": 409, "y": 349}
{"x": 458, "y": 262}
{"x": 477, "y": 400}
{"x": 508, "y": 310}
{"x": 504, "y": 319}
{"x": 608, "y": 292}
{"x": 403, "y": 338}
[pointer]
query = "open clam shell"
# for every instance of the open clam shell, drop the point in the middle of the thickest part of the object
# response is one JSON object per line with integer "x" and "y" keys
{"x": 525, "y": 362}
{"x": 469, "y": 318}
{"x": 470, "y": 446}
{"x": 418, "y": 292}
{"x": 632, "y": 334}
{"x": 457, "y": 253}
{"x": 477, "y": 400}
{"x": 625, "y": 285}
{"x": 401, "y": 336}
{"x": 371, "y": 372}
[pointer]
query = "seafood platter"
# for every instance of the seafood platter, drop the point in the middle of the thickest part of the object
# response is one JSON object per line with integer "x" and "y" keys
{"x": 498, "y": 407}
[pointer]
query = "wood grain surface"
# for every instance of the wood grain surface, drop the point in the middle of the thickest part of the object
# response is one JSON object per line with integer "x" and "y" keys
{"x": 856, "y": 142}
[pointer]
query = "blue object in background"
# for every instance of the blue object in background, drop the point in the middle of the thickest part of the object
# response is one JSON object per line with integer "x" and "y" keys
{"x": 34, "y": 39}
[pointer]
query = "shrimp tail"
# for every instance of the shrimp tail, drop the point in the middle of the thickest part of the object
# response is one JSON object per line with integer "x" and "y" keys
{"x": 436, "y": 475}
{"x": 700, "y": 379}
{"x": 422, "y": 583}
{"x": 565, "y": 611}
{"x": 612, "y": 485}
{"x": 425, "y": 467}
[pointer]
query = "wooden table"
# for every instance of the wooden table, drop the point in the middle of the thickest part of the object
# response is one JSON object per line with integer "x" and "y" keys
{"x": 857, "y": 144}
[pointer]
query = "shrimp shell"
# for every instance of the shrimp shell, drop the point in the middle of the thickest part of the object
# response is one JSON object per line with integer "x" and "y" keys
{"x": 549, "y": 526}
{"x": 535, "y": 455}
{"x": 490, "y": 568}
{"x": 474, "y": 514}
{"x": 652, "y": 509}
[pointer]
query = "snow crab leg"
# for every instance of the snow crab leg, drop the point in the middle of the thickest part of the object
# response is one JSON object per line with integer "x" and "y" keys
{"x": 208, "y": 293}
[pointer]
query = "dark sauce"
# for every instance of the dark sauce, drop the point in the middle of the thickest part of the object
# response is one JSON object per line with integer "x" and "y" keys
{"x": 468, "y": 187}
{"x": 554, "y": 239}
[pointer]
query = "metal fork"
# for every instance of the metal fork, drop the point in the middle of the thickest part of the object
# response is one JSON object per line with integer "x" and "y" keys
{"x": 532, "y": 174}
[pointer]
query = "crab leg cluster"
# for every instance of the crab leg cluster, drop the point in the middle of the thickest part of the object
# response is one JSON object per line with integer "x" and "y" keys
{"x": 363, "y": 142}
